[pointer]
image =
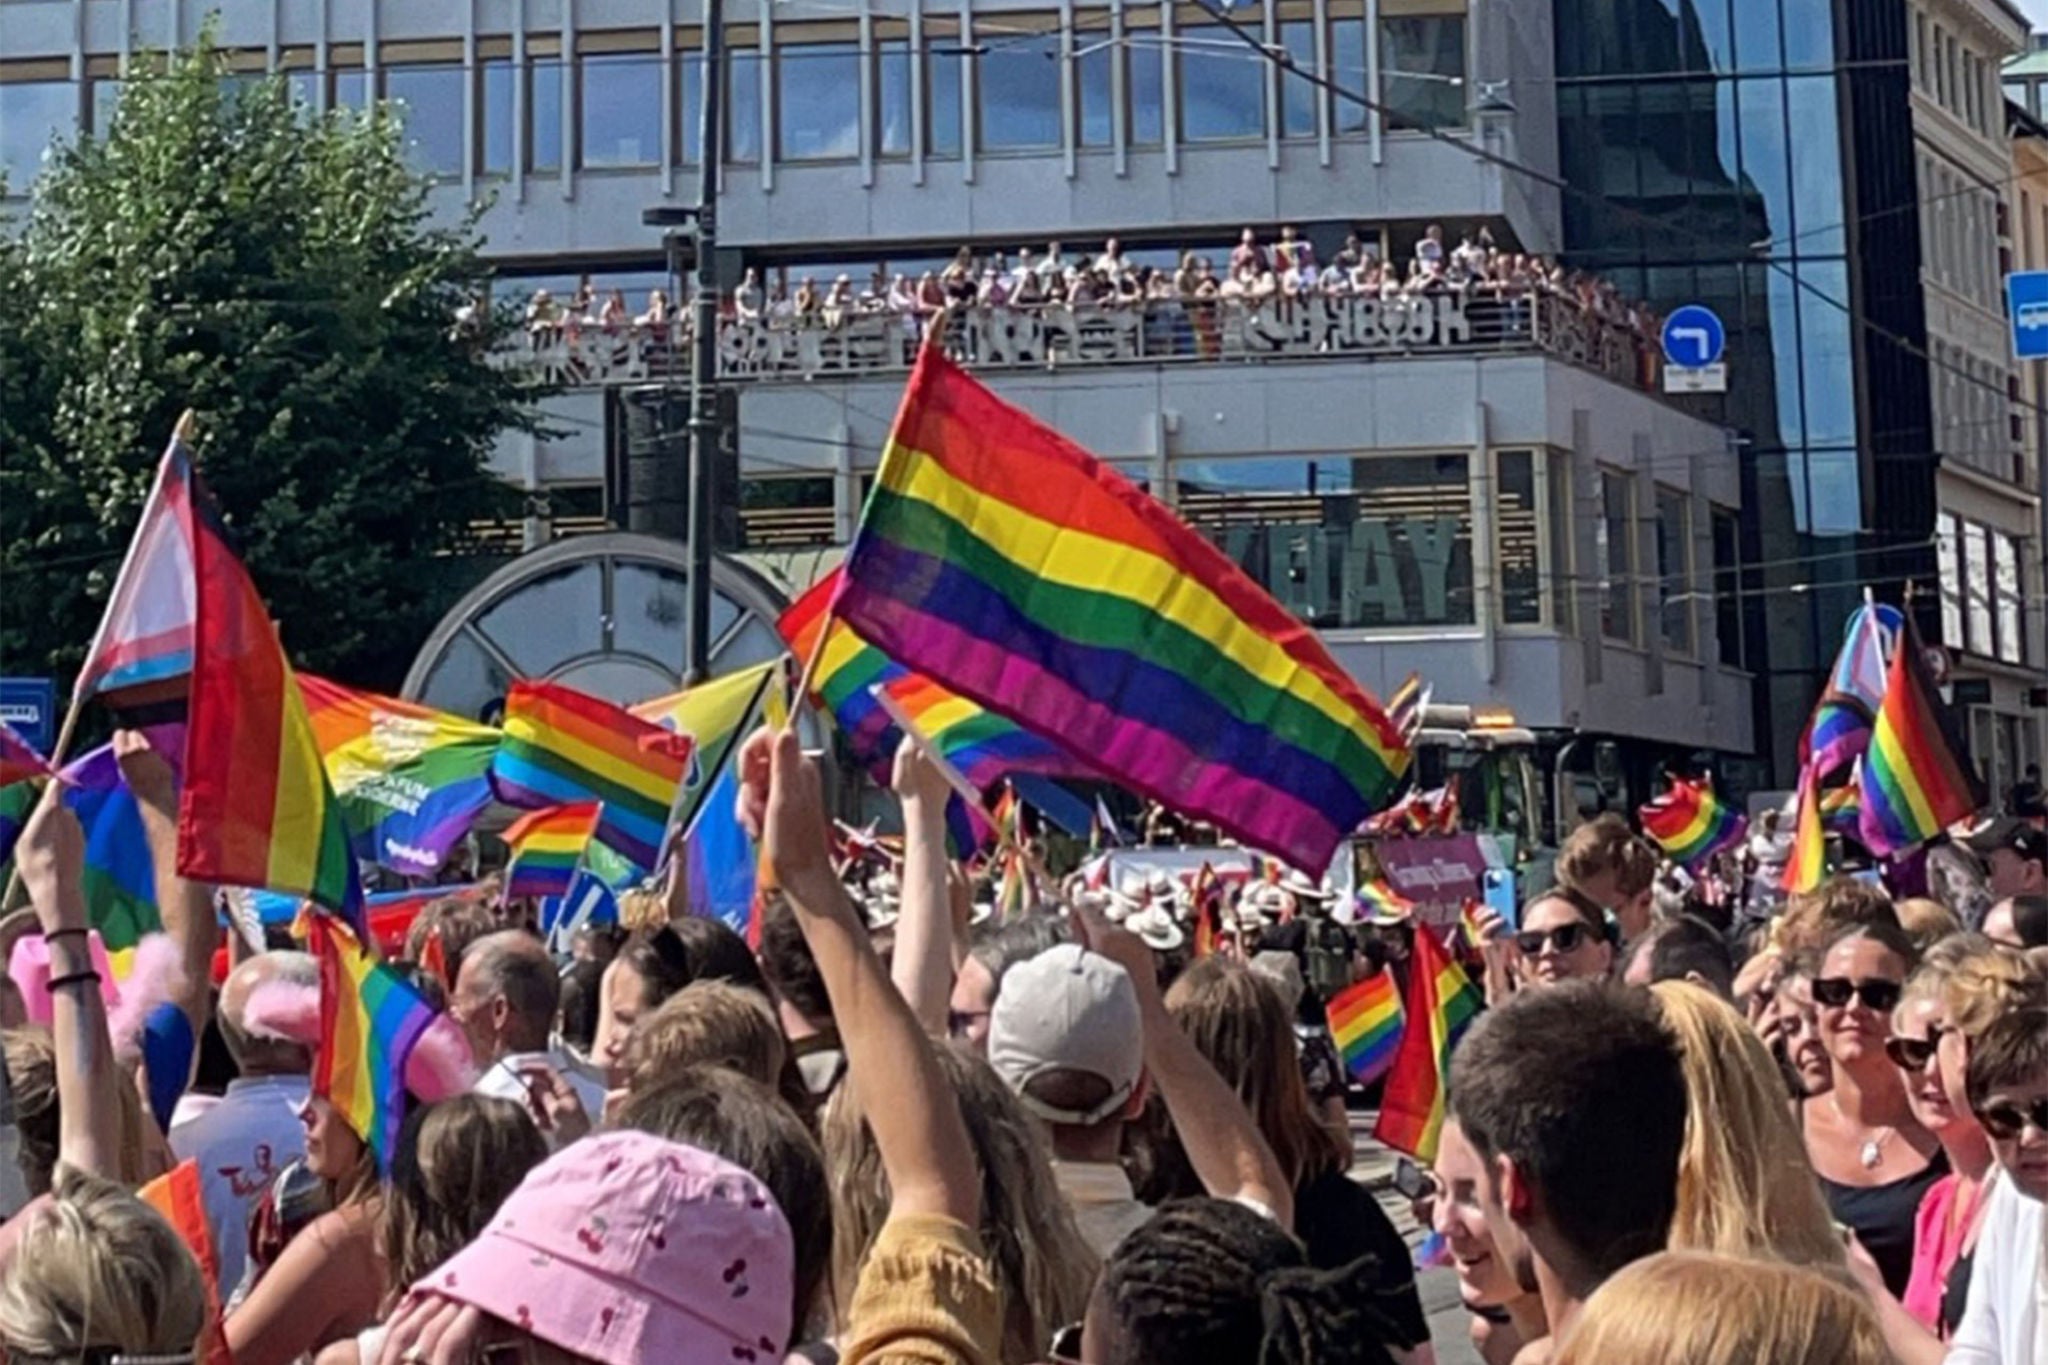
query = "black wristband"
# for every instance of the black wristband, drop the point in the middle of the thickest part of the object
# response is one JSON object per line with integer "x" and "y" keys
{"x": 73, "y": 979}
{"x": 59, "y": 933}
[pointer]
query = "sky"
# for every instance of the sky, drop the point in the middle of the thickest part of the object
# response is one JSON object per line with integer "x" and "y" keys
{"x": 2036, "y": 11}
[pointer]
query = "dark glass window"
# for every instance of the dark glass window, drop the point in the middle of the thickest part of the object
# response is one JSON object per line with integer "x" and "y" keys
{"x": 1728, "y": 587}
{"x": 1615, "y": 547}
{"x": 495, "y": 117}
{"x": 743, "y": 104}
{"x": 1094, "y": 68}
{"x": 818, "y": 99}
{"x": 892, "y": 97}
{"x": 1766, "y": 164}
{"x": 106, "y": 95}
{"x": 690, "y": 107}
{"x": 942, "y": 96}
{"x": 1817, "y": 196}
{"x": 1018, "y": 82}
{"x": 544, "y": 114}
{"x": 1674, "y": 569}
{"x": 1299, "y": 94}
{"x": 1147, "y": 58}
{"x": 430, "y": 102}
{"x": 1521, "y": 583}
{"x": 1422, "y": 70}
{"x": 1222, "y": 86}
{"x": 1347, "y": 72}
{"x": 621, "y": 108}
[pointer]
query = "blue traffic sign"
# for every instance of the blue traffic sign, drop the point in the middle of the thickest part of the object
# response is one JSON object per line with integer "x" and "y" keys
{"x": 1693, "y": 337}
{"x": 30, "y": 706}
{"x": 2026, "y": 303}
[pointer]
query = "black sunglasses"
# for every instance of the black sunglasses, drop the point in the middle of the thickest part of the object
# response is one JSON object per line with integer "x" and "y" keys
{"x": 1837, "y": 991}
{"x": 1566, "y": 938}
{"x": 2004, "y": 1121}
{"x": 1913, "y": 1054}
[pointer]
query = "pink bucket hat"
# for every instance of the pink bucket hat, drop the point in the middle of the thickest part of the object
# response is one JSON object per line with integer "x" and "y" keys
{"x": 625, "y": 1248}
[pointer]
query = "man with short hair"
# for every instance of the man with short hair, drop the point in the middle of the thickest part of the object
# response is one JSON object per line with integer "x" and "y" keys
{"x": 1607, "y": 863}
{"x": 2015, "y": 857}
{"x": 1682, "y": 948}
{"x": 1574, "y": 1099}
{"x": 242, "y": 1142}
{"x": 505, "y": 998}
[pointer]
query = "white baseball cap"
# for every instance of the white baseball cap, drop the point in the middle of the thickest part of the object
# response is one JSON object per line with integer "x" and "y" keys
{"x": 1068, "y": 1009}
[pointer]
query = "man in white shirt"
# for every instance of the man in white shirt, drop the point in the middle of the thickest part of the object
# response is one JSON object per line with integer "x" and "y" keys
{"x": 241, "y": 1143}
{"x": 505, "y": 998}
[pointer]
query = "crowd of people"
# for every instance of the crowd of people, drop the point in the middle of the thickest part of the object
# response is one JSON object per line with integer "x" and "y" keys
{"x": 893, "y": 1130}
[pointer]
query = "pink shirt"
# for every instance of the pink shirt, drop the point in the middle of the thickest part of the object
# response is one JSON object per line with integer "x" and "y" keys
{"x": 1940, "y": 1230}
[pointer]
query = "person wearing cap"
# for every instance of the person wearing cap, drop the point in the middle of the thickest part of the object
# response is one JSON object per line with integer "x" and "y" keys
{"x": 2015, "y": 857}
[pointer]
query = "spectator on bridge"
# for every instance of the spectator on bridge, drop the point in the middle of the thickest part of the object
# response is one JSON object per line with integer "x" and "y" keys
{"x": 658, "y": 313}
{"x": 1247, "y": 256}
{"x": 746, "y": 300}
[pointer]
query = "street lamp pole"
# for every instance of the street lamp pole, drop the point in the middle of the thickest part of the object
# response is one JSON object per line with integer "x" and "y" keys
{"x": 704, "y": 426}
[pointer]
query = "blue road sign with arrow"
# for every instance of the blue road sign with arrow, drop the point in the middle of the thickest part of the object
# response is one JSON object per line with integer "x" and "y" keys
{"x": 1693, "y": 337}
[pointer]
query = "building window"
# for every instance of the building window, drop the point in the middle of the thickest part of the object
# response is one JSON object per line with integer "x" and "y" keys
{"x": 1299, "y": 95}
{"x": 621, "y": 110}
{"x": 1222, "y": 86}
{"x": 818, "y": 99}
{"x": 430, "y": 100}
{"x": 1344, "y": 542}
{"x": 1563, "y": 592}
{"x": 2011, "y": 599}
{"x": 1674, "y": 569}
{"x": 788, "y": 512}
{"x": 1515, "y": 539}
{"x": 1018, "y": 80}
{"x": 351, "y": 87}
{"x": 1347, "y": 72}
{"x": 1728, "y": 587}
{"x": 1095, "y": 59}
{"x": 743, "y": 105}
{"x": 942, "y": 96}
{"x": 544, "y": 115}
{"x": 1615, "y": 555}
{"x": 1146, "y": 62}
{"x": 106, "y": 95}
{"x": 1978, "y": 621}
{"x": 1422, "y": 70}
{"x": 33, "y": 114}
{"x": 1949, "y": 545}
{"x": 892, "y": 97}
{"x": 305, "y": 89}
{"x": 495, "y": 117}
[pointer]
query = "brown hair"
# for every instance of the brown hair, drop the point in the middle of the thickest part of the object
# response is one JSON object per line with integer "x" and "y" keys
{"x": 1988, "y": 985}
{"x": 31, "y": 1056}
{"x": 2012, "y": 1052}
{"x": 708, "y": 1023}
{"x": 458, "y": 921}
{"x": 1693, "y": 1308}
{"x": 455, "y": 1163}
{"x": 1814, "y": 919}
{"x": 1606, "y": 844}
{"x": 1927, "y": 922}
{"x": 1237, "y": 1019}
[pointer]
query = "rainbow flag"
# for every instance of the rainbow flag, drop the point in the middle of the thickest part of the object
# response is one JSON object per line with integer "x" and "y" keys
{"x": 562, "y": 747}
{"x": 1365, "y": 1022}
{"x": 1382, "y": 904}
{"x": 1205, "y": 896}
{"x": 547, "y": 848}
{"x": 1690, "y": 824}
{"x": 411, "y": 780}
{"x": 179, "y": 1195}
{"x": 1840, "y": 726}
{"x": 1468, "y": 925}
{"x": 1442, "y": 1003}
{"x": 1808, "y": 861}
{"x": 370, "y": 1020}
{"x": 1009, "y": 565}
{"x": 1841, "y": 809}
{"x": 1406, "y": 704}
{"x": 1917, "y": 776}
{"x": 19, "y": 760}
{"x": 256, "y": 808}
{"x": 144, "y": 645}
{"x": 716, "y": 717}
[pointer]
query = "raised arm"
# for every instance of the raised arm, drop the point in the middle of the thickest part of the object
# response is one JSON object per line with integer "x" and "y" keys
{"x": 922, "y": 964}
{"x": 917, "y": 1126}
{"x": 51, "y": 855}
{"x": 1223, "y": 1144}
{"x": 186, "y": 906}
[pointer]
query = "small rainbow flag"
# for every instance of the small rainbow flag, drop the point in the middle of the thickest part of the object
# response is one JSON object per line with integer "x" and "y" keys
{"x": 1442, "y": 1003}
{"x": 142, "y": 650}
{"x": 1382, "y": 904}
{"x": 1011, "y": 566}
{"x": 370, "y": 1020}
{"x": 1841, "y": 809}
{"x": 19, "y": 760}
{"x": 1468, "y": 924}
{"x": 1365, "y": 1021}
{"x": 563, "y": 747}
{"x": 1690, "y": 824}
{"x": 1917, "y": 775}
{"x": 1807, "y": 863}
{"x": 179, "y": 1196}
{"x": 1205, "y": 897}
{"x": 547, "y": 847}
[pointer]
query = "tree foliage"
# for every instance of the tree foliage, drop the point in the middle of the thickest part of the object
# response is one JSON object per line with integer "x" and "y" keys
{"x": 224, "y": 250}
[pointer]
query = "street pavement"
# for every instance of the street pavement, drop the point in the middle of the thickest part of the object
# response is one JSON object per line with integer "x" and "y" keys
{"x": 1373, "y": 1167}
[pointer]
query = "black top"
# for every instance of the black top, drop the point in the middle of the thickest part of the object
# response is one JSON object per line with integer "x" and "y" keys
{"x": 1339, "y": 1221}
{"x": 1882, "y": 1217}
{"x": 1955, "y": 1294}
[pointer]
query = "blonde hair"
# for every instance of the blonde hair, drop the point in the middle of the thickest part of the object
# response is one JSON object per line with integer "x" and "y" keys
{"x": 708, "y": 1023}
{"x": 1989, "y": 984}
{"x": 1745, "y": 1185}
{"x": 1927, "y": 922}
{"x": 1693, "y": 1308}
{"x": 1930, "y": 979}
{"x": 31, "y": 1056}
{"x": 99, "y": 1268}
{"x": 1045, "y": 1268}
{"x": 642, "y": 911}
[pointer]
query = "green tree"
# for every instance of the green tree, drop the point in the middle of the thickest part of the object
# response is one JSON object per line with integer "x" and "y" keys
{"x": 222, "y": 249}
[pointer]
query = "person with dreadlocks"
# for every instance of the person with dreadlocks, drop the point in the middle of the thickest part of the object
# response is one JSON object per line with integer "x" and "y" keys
{"x": 1212, "y": 1280}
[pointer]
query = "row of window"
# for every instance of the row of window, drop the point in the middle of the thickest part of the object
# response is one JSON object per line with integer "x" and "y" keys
{"x": 1956, "y": 77}
{"x": 1677, "y": 575}
{"x": 1983, "y": 596}
{"x": 1973, "y": 412}
{"x": 1959, "y": 231}
{"x": 616, "y": 115}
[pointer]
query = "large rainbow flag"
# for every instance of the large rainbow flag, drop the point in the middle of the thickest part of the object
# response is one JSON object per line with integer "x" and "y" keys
{"x": 1690, "y": 824}
{"x": 1442, "y": 1003}
{"x": 370, "y": 1020}
{"x": 1011, "y": 566}
{"x": 547, "y": 848}
{"x": 411, "y": 780}
{"x": 716, "y": 716}
{"x": 563, "y": 747}
{"x": 1365, "y": 1022}
{"x": 1917, "y": 775}
{"x": 143, "y": 647}
{"x": 256, "y": 808}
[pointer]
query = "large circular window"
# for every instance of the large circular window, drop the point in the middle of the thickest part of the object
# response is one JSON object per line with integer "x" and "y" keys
{"x": 603, "y": 614}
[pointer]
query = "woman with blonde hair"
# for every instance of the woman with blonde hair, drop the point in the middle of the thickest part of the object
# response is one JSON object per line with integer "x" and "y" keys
{"x": 97, "y": 1273}
{"x": 1693, "y": 1308}
{"x": 1745, "y": 1187}
{"x": 1044, "y": 1266}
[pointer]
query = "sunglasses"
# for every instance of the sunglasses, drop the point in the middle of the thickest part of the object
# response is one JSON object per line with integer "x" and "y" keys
{"x": 2005, "y": 1121}
{"x": 1837, "y": 991}
{"x": 1066, "y": 1345}
{"x": 1566, "y": 938}
{"x": 958, "y": 1022}
{"x": 1913, "y": 1054}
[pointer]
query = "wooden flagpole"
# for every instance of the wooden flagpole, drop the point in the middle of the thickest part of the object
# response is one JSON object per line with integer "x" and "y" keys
{"x": 955, "y": 779}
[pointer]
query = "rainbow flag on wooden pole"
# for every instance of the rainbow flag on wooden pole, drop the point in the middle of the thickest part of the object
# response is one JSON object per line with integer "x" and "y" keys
{"x": 1690, "y": 824}
{"x": 1442, "y": 1003}
{"x": 1365, "y": 1022}
{"x": 547, "y": 848}
{"x": 370, "y": 1020}
{"x": 1011, "y": 566}
{"x": 1917, "y": 775}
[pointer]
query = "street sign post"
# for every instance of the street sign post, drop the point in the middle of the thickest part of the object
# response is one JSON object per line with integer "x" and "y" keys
{"x": 2026, "y": 307}
{"x": 1694, "y": 341}
{"x": 30, "y": 706}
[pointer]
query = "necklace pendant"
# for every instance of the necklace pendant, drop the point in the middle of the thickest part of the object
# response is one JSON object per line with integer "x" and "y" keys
{"x": 1872, "y": 1154}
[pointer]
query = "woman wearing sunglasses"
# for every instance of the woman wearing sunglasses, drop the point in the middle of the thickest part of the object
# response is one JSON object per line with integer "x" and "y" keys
{"x": 1563, "y": 937}
{"x": 1875, "y": 1160}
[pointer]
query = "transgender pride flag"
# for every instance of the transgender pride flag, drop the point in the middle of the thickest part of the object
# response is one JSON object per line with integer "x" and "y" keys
{"x": 144, "y": 642}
